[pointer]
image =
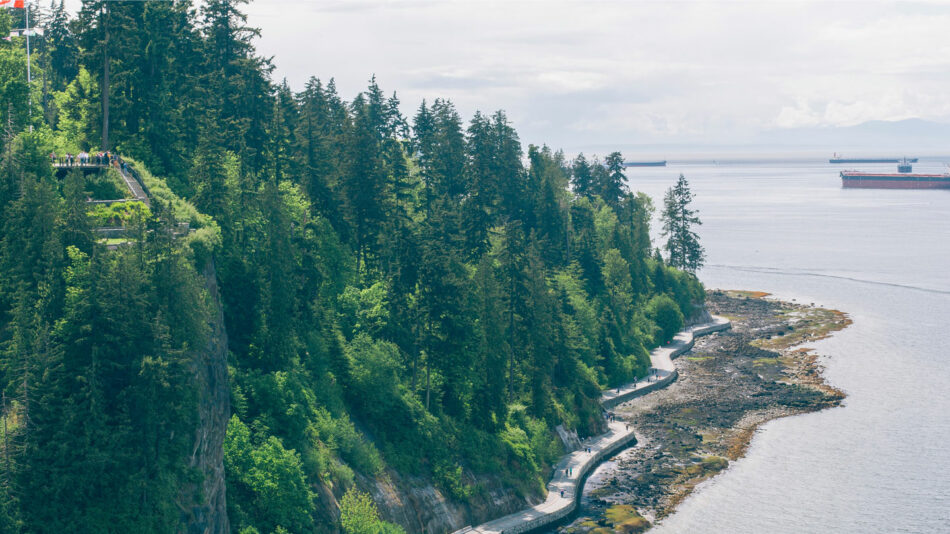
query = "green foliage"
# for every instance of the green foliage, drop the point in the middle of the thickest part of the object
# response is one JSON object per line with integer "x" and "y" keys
{"x": 14, "y": 90}
{"x": 204, "y": 235}
{"x": 449, "y": 478}
{"x": 666, "y": 315}
{"x": 106, "y": 185}
{"x": 339, "y": 436}
{"x": 682, "y": 243}
{"x": 433, "y": 300}
{"x": 267, "y": 482}
{"x": 521, "y": 456}
{"x": 365, "y": 310}
{"x": 76, "y": 125}
{"x": 118, "y": 213}
{"x": 358, "y": 515}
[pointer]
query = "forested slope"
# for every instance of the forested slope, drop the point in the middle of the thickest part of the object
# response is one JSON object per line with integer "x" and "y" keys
{"x": 401, "y": 296}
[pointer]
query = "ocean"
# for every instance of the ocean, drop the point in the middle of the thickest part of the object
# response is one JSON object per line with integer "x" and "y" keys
{"x": 881, "y": 462}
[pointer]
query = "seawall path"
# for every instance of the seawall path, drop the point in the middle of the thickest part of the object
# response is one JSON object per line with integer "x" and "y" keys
{"x": 565, "y": 486}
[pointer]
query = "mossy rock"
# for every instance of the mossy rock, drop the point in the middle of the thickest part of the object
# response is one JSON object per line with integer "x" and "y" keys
{"x": 625, "y": 518}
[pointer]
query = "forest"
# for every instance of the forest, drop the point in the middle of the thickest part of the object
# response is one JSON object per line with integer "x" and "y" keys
{"x": 417, "y": 294}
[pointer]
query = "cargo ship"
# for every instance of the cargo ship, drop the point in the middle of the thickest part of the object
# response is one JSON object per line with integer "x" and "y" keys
{"x": 902, "y": 179}
{"x": 839, "y": 159}
{"x": 645, "y": 163}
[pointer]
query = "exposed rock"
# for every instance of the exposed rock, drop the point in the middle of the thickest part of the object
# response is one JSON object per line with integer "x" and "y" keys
{"x": 728, "y": 385}
{"x": 204, "y": 506}
{"x": 569, "y": 438}
{"x": 418, "y": 506}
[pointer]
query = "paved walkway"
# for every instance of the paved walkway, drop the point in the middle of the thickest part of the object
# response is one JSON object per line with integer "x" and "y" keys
{"x": 134, "y": 186}
{"x": 558, "y": 505}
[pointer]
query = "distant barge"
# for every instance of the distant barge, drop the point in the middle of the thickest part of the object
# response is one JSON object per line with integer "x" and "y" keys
{"x": 645, "y": 163}
{"x": 838, "y": 159}
{"x": 902, "y": 179}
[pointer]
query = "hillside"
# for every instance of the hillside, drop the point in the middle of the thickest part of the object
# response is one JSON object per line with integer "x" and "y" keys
{"x": 320, "y": 303}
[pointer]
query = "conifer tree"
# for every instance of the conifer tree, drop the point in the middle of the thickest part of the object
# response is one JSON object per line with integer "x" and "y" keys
{"x": 613, "y": 184}
{"x": 61, "y": 49}
{"x": 581, "y": 176}
{"x": 682, "y": 244}
{"x": 456, "y": 299}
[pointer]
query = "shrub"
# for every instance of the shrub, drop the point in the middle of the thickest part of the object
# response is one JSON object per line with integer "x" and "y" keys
{"x": 667, "y": 315}
{"x": 358, "y": 515}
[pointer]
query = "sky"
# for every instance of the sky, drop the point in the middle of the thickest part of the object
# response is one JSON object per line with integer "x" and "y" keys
{"x": 590, "y": 74}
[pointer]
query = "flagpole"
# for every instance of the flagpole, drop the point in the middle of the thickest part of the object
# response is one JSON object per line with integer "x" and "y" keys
{"x": 29, "y": 77}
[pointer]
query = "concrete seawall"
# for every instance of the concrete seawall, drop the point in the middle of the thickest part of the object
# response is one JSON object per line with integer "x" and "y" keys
{"x": 572, "y": 469}
{"x": 662, "y": 359}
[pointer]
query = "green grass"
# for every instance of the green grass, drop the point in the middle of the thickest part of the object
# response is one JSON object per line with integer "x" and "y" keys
{"x": 115, "y": 241}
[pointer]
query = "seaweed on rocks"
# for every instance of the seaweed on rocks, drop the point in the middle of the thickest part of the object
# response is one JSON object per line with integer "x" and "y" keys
{"x": 728, "y": 385}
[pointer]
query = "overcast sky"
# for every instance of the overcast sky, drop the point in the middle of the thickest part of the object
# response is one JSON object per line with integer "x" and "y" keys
{"x": 585, "y": 74}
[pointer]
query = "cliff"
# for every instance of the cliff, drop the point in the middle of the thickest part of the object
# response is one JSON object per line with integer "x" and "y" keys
{"x": 204, "y": 505}
{"x": 419, "y": 506}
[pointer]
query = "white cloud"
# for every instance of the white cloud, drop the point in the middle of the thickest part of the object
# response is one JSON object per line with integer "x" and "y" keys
{"x": 575, "y": 72}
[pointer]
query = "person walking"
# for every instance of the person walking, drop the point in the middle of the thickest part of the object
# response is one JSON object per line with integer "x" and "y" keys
{"x": 52, "y": 158}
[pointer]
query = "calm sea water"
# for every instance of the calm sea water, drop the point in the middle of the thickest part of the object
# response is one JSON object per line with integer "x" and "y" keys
{"x": 880, "y": 463}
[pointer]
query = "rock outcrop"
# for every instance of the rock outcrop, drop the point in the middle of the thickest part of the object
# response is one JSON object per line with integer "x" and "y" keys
{"x": 418, "y": 506}
{"x": 204, "y": 506}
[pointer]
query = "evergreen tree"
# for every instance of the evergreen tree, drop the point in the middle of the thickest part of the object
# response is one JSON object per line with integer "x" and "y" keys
{"x": 582, "y": 177}
{"x": 61, "y": 55}
{"x": 432, "y": 290}
{"x": 612, "y": 186}
{"x": 682, "y": 244}
{"x": 320, "y": 134}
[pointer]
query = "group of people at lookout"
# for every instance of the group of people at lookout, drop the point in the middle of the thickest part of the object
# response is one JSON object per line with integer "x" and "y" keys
{"x": 84, "y": 158}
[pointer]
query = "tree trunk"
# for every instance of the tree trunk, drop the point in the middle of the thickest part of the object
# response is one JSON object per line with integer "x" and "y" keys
{"x": 105, "y": 79}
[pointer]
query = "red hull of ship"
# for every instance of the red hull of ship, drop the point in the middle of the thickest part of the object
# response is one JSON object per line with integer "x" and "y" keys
{"x": 889, "y": 184}
{"x": 868, "y": 180}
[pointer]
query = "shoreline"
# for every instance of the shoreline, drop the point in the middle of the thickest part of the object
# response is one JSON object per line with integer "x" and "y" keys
{"x": 563, "y": 496}
{"x": 691, "y": 431}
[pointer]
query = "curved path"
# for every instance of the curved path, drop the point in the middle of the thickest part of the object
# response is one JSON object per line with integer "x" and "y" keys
{"x": 566, "y": 485}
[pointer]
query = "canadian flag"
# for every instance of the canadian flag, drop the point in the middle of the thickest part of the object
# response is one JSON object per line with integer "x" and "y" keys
{"x": 15, "y": 3}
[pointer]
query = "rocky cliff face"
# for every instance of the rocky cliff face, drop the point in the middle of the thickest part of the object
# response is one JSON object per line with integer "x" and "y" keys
{"x": 203, "y": 506}
{"x": 418, "y": 506}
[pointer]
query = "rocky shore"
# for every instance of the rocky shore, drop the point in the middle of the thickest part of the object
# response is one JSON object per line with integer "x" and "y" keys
{"x": 729, "y": 385}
